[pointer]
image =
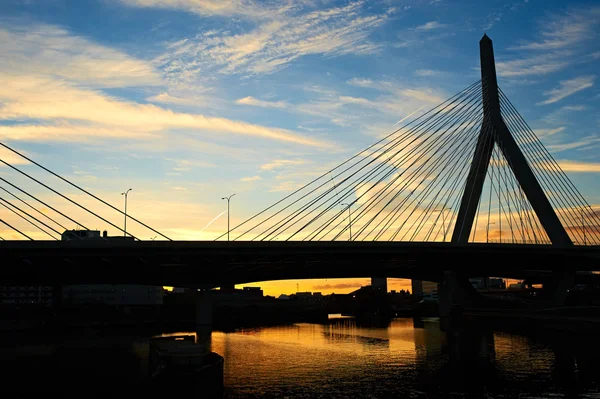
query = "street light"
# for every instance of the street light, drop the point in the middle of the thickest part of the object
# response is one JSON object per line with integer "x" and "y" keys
{"x": 349, "y": 219}
{"x": 443, "y": 212}
{"x": 583, "y": 227}
{"x": 228, "y": 199}
{"x": 487, "y": 231}
{"x": 125, "y": 227}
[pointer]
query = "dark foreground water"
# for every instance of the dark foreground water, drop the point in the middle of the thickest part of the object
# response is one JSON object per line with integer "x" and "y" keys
{"x": 407, "y": 359}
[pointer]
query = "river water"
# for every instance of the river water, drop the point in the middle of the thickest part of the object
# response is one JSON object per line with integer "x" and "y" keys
{"x": 338, "y": 359}
{"x": 407, "y": 359}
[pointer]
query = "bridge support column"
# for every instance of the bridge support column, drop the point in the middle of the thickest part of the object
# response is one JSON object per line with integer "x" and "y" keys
{"x": 455, "y": 294}
{"x": 204, "y": 319}
{"x": 564, "y": 281}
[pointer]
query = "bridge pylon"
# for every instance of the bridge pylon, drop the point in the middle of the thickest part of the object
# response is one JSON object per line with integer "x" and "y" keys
{"x": 494, "y": 132}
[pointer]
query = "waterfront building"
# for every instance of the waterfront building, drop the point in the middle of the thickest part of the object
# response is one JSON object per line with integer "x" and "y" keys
{"x": 107, "y": 294}
{"x": 22, "y": 295}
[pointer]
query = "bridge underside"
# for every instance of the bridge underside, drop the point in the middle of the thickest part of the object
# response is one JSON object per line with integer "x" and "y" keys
{"x": 213, "y": 264}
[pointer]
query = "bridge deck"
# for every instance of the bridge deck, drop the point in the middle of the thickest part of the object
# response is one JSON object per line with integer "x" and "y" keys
{"x": 214, "y": 263}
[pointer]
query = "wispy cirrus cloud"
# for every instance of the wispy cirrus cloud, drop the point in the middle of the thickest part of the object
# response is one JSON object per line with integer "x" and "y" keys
{"x": 563, "y": 37}
{"x": 166, "y": 98}
{"x": 249, "y": 100}
{"x": 548, "y": 132}
{"x": 579, "y": 166}
{"x": 562, "y": 31}
{"x": 431, "y": 25}
{"x": 275, "y": 42}
{"x": 225, "y": 8}
{"x": 184, "y": 165}
{"x": 53, "y": 52}
{"x": 558, "y": 116}
{"x": 250, "y": 179}
{"x": 427, "y": 72}
{"x": 278, "y": 163}
{"x": 584, "y": 142}
{"x": 29, "y": 97}
{"x": 567, "y": 88}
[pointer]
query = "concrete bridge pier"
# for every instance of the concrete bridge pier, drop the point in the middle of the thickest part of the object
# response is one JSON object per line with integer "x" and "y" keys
{"x": 204, "y": 307}
{"x": 563, "y": 282}
{"x": 455, "y": 294}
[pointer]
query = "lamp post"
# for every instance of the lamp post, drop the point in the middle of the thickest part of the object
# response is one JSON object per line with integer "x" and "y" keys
{"x": 125, "y": 226}
{"x": 487, "y": 231}
{"x": 228, "y": 199}
{"x": 443, "y": 212}
{"x": 583, "y": 227}
{"x": 349, "y": 219}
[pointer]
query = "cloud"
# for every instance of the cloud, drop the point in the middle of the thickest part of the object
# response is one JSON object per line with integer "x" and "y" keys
{"x": 427, "y": 72}
{"x": 564, "y": 31}
{"x": 32, "y": 97}
{"x": 12, "y": 158}
{"x": 578, "y": 166}
{"x": 250, "y": 179}
{"x": 548, "y": 132}
{"x": 226, "y": 8}
{"x": 275, "y": 42}
{"x": 52, "y": 51}
{"x": 430, "y": 26}
{"x": 534, "y": 65}
{"x": 584, "y": 142}
{"x": 279, "y": 163}
{"x": 563, "y": 40}
{"x": 567, "y": 88}
{"x": 261, "y": 103}
{"x": 558, "y": 116}
{"x": 69, "y": 132}
{"x": 184, "y": 165}
{"x": 356, "y": 285}
{"x": 166, "y": 98}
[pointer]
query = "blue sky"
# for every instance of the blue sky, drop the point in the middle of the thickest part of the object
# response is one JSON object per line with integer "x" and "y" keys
{"x": 187, "y": 101}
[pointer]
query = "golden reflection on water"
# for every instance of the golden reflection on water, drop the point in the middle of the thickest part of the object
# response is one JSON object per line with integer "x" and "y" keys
{"x": 407, "y": 358}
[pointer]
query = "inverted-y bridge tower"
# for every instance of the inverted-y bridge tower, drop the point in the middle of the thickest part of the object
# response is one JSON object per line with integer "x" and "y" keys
{"x": 495, "y": 132}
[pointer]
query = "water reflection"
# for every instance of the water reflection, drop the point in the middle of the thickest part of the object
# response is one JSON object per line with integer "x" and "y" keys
{"x": 340, "y": 358}
{"x": 407, "y": 359}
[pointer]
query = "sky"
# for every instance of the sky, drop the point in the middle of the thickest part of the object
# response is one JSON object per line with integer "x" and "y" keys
{"x": 186, "y": 101}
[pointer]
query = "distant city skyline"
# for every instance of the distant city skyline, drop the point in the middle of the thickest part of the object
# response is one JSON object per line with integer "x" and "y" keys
{"x": 187, "y": 102}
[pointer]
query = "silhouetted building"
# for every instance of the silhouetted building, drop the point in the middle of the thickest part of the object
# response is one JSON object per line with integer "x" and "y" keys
{"x": 424, "y": 288}
{"x": 379, "y": 283}
{"x": 492, "y": 282}
{"x": 75, "y": 234}
{"x": 108, "y": 294}
{"x": 21, "y": 295}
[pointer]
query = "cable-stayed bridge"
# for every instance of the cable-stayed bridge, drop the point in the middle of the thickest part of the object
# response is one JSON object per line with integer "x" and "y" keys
{"x": 466, "y": 186}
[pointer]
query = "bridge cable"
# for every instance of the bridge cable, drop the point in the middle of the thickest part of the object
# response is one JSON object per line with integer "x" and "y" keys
{"x": 320, "y": 177}
{"x": 383, "y": 165}
{"x": 396, "y": 213}
{"x": 88, "y": 193}
{"x": 35, "y": 209}
{"x": 560, "y": 203}
{"x": 424, "y": 175}
{"x": 547, "y": 180}
{"x": 444, "y": 176}
{"x": 17, "y": 230}
{"x": 33, "y": 217}
{"x": 43, "y": 203}
{"x": 63, "y": 196}
{"x": 397, "y": 164}
{"x": 390, "y": 145}
{"x": 553, "y": 165}
{"x": 454, "y": 184}
{"x": 412, "y": 178}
